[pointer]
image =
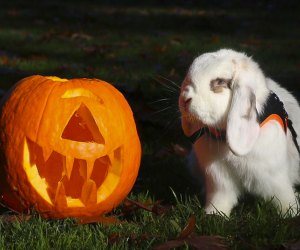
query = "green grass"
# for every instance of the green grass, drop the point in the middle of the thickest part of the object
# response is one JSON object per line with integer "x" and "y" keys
{"x": 129, "y": 43}
{"x": 252, "y": 226}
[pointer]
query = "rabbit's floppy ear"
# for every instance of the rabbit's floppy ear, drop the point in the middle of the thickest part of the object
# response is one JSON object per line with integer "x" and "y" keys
{"x": 242, "y": 125}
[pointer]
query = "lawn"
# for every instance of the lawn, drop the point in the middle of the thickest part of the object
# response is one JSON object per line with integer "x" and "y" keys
{"x": 143, "y": 49}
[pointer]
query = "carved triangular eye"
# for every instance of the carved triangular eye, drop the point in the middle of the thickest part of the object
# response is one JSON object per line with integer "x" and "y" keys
{"x": 82, "y": 127}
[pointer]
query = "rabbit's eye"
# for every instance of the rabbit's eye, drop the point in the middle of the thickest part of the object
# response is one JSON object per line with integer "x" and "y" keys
{"x": 217, "y": 85}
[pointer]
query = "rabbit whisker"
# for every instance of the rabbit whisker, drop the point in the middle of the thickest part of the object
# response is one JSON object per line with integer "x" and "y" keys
{"x": 167, "y": 100}
{"x": 170, "y": 81}
{"x": 169, "y": 88}
{"x": 161, "y": 110}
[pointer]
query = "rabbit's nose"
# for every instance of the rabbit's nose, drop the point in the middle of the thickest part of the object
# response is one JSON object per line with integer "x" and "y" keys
{"x": 188, "y": 100}
{"x": 186, "y": 97}
{"x": 186, "y": 103}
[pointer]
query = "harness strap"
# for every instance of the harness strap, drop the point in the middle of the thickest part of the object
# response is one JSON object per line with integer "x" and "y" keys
{"x": 294, "y": 134}
{"x": 194, "y": 137}
{"x": 274, "y": 110}
{"x": 213, "y": 133}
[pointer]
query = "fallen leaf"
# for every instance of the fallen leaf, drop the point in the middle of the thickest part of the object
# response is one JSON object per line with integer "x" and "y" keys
{"x": 129, "y": 206}
{"x": 176, "y": 41}
{"x": 81, "y": 36}
{"x": 170, "y": 245}
{"x": 98, "y": 219}
{"x": 188, "y": 229}
{"x": 159, "y": 209}
{"x": 208, "y": 242}
{"x": 8, "y": 218}
{"x": 139, "y": 205}
{"x": 187, "y": 237}
{"x": 197, "y": 242}
{"x": 291, "y": 245}
{"x": 113, "y": 238}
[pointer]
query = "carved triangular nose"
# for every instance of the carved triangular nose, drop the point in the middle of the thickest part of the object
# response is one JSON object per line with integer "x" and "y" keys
{"x": 82, "y": 127}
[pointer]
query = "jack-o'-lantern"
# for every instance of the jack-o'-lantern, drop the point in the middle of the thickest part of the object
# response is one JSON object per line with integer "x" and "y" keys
{"x": 68, "y": 147}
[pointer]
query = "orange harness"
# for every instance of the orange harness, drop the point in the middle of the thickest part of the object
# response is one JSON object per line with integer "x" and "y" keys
{"x": 273, "y": 110}
{"x": 275, "y": 117}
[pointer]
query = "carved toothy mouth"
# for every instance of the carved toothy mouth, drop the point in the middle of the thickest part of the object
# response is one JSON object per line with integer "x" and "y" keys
{"x": 68, "y": 181}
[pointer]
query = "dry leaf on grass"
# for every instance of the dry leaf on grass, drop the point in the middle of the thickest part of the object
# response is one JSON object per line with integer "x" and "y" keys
{"x": 208, "y": 242}
{"x": 188, "y": 229}
{"x": 98, "y": 219}
{"x": 291, "y": 245}
{"x": 198, "y": 242}
{"x": 130, "y": 206}
{"x": 8, "y": 218}
{"x": 187, "y": 237}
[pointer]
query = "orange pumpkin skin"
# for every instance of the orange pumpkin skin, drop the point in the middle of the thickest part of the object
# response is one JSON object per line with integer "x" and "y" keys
{"x": 69, "y": 148}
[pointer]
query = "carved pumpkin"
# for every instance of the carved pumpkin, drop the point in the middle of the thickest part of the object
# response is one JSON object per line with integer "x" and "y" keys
{"x": 69, "y": 147}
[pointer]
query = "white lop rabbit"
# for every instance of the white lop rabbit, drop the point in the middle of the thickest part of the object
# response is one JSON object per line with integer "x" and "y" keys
{"x": 226, "y": 91}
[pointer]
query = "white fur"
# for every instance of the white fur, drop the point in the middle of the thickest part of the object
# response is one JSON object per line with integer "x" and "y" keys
{"x": 260, "y": 160}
